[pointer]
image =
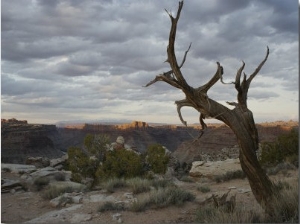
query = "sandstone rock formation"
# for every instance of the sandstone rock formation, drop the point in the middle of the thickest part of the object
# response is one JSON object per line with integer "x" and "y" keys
{"x": 20, "y": 140}
{"x": 213, "y": 169}
{"x": 219, "y": 142}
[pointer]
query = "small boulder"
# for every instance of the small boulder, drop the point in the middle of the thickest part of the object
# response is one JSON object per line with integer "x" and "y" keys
{"x": 212, "y": 169}
{"x": 18, "y": 168}
{"x": 38, "y": 162}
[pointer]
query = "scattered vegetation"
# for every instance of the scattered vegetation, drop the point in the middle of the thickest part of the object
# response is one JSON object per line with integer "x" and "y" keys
{"x": 285, "y": 206}
{"x": 139, "y": 185}
{"x": 6, "y": 170}
{"x": 157, "y": 158}
{"x": 203, "y": 189}
{"x": 285, "y": 148}
{"x": 60, "y": 176}
{"x": 84, "y": 162}
{"x": 52, "y": 191}
{"x": 96, "y": 162}
{"x": 112, "y": 184}
{"x": 281, "y": 167}
{"x": 110, "y": 206}
{"x": 151, "y": 194}
{"x": 211, "y": 214}
{"x": 120, "y": 163}
{"x": 239, "y": 174}
{"x": 186, "y": 178}
{"x": 162, "y": 197}
{"x": 40, "y": 182}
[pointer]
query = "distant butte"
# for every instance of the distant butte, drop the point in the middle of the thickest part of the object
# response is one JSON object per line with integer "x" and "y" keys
{"x": 20, "y": 139}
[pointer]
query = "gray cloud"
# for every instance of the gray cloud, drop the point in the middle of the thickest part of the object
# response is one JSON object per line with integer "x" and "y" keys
{"x": 89, "y": 57}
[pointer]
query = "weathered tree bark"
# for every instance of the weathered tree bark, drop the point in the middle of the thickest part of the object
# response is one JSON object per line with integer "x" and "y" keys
{"x": 239, "y": 119}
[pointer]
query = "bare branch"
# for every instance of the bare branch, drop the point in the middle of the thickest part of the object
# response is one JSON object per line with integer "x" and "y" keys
{"x": 171, "y": 50}
{"x": 232, "y": 103}
{"x": 180, "y": 104}
{"x": 203, "y": 125}
{"x": 213, "y": 80}
{"x": 238, "y": 77}
{"x": 166, "y": 77}
{"x": 259, "y": 67}
{"x": 185, "y": 56}
{"x": 221, "y": 78}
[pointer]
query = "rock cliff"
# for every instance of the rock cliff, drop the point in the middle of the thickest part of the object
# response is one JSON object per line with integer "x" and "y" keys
{"x": 219, "y": 137}
{"x": 21, "y": 140}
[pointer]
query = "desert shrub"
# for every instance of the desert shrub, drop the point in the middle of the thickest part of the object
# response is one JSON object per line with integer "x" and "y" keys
{"x": 110, "y": 206}
{"x": 187, "y": 179}
{"x": 281, "y": 185}
{"x": 84, "y": 162}
{"x": 281, "y": 167}
{"x": 60, "y": 176}
{"x": 41, "y": 182}
{"x": 285, "y": 148}
{"x": 53, "y": 191}
{"x": 162, "y": 197}
{"x": 111, "y": 184}
{"x": 157, "y": 158}
{"x": 211, "y": 214}
{"x": 6, "y": 170}
{"x": 139, "y": 185}
{"x": 78, "y": 163}
{"x": 230, "y": 175}
{"x": 120, "y": 163}
{"x": 96, "y": 145}
{"x": 162, "y": 183}
{"x": 203, "y": 189}
{"x": 285, "y": 204}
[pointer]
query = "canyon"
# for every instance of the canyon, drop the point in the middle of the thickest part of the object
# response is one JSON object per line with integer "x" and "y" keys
{"x": 20, "y": 140}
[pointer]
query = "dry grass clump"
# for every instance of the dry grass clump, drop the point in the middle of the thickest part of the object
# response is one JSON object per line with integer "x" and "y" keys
{"x": 230, "y": 175}
{"x": 211, "y": 214}
{"x": 203, "y": 189}
{"x": 40, "y": 182}
{"x": 162, "y": 197}
{"x": 53, "y": 191}
{"x": 187, "y": 179}
{"x": 286, "y": 204}
{"x": 112, "y": 184}
{"x": 139, "y": 185}
{"x": 110, "y": 206}
{"x": 285, "y": 207}
{"x": 281, "y": 167}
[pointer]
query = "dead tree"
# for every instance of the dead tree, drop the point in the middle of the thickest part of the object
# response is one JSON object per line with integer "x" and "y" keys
{"x": 240, "y": 119}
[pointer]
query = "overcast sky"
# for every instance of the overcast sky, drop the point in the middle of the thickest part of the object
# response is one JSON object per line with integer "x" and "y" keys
{"x": 89, "y": 60}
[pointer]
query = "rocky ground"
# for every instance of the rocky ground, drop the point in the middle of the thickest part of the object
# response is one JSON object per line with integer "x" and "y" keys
{"x": 19, "y": 206}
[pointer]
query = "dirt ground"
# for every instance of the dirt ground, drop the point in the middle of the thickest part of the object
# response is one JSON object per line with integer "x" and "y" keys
{"x": 23, "y": 206}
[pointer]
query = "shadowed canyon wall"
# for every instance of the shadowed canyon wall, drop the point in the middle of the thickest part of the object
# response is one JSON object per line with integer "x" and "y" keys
{"x": 20, "y": 139}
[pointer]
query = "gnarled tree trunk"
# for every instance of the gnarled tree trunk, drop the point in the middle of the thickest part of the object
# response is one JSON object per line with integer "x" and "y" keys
{"x": 239, "y": 119}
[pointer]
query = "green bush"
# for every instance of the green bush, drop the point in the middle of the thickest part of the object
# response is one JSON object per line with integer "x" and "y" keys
{"x": 79, "y": 163}
{"x": 157, "y": 158}
{"x": 84, "y": 162}
{"x": 120, "y": 163}
{"x": 285, "y": 148}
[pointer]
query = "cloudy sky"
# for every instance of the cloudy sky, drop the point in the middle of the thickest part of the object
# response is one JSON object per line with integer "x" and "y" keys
{"x": 89, "y": 60}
